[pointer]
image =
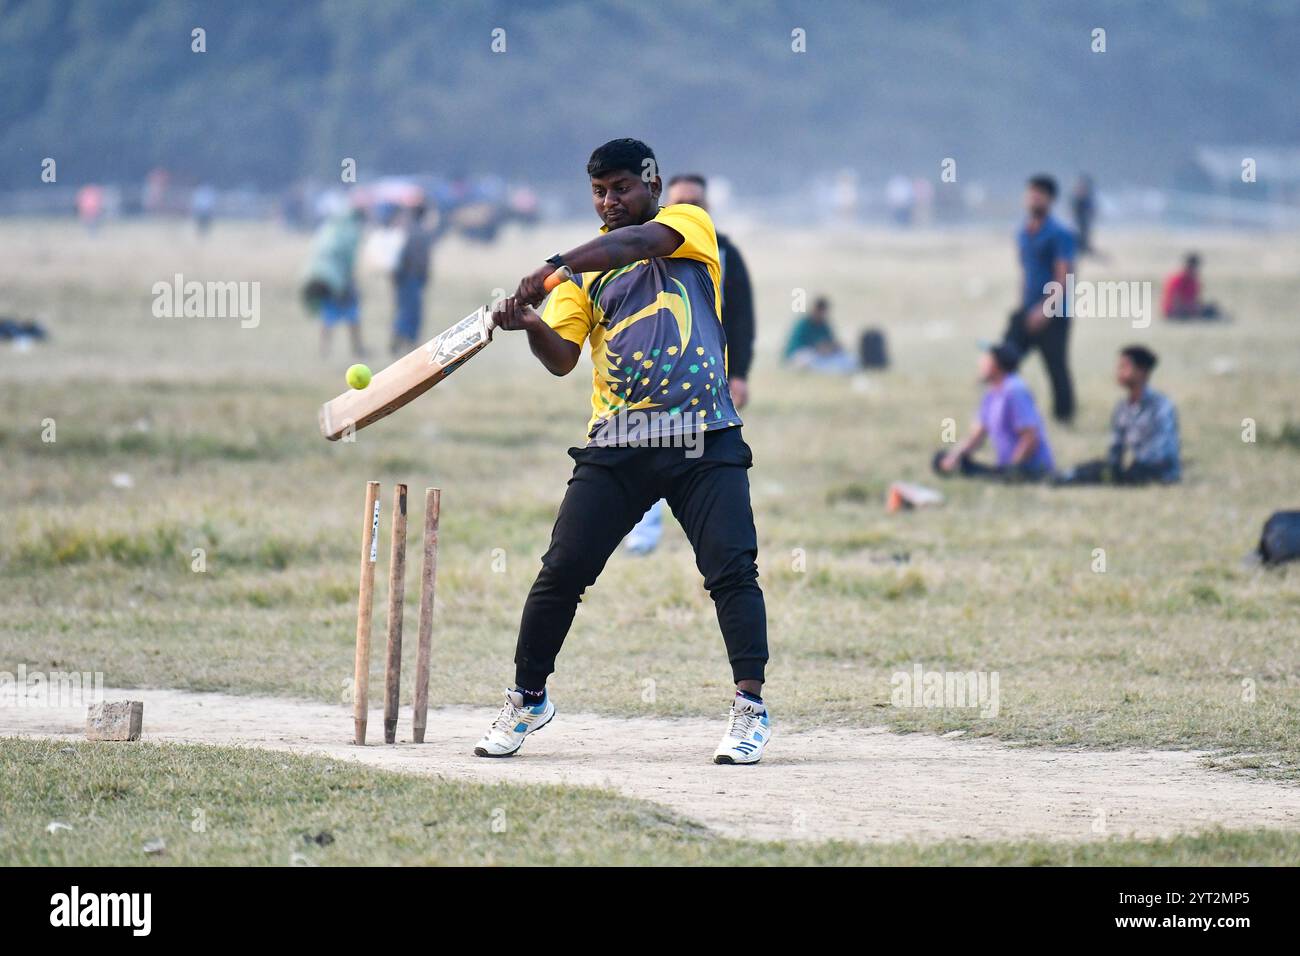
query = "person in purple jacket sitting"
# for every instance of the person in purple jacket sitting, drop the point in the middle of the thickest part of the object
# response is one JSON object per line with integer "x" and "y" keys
{"x": 1009, "y": 419}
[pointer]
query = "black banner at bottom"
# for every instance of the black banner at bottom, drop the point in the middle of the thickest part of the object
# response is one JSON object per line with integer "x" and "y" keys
{"x": 331, "y": 905}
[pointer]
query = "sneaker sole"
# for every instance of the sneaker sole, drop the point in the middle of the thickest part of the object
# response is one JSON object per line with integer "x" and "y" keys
{"x": 729, "y": 761}
{"x": 482, "y": 751}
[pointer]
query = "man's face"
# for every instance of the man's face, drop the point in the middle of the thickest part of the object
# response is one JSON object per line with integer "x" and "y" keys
{"x": 685, "y": 191}
{"x": 1037, "y": 202}
{"x": 1127, "y": 374}
{"x": 989, "y": 370}
{"x": 623, "y": 198}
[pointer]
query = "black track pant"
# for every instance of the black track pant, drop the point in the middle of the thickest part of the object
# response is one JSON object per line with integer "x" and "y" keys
{"x": 1053, "y": 341}
{"x": 969, "y": 468}
{"x": 1101, "y": 471}
{"x": 610, "y": 490}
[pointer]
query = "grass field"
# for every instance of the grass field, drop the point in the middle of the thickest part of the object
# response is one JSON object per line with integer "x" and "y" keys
{"x": 1176, "y": 644}
{"x": 216, "y": 806}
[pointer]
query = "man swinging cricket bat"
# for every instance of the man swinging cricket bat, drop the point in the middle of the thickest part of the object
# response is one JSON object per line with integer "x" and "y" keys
{"x": 646, "y": 296}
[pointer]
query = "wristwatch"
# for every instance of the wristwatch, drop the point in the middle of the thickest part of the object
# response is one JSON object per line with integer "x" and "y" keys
{"x": 556, "y": 260}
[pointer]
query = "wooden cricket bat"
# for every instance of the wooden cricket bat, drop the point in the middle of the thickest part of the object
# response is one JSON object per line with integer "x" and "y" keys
{"x": 414, "y": 373}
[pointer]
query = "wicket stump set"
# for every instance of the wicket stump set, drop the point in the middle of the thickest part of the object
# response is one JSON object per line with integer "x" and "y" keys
{"x": 396, "y": 598}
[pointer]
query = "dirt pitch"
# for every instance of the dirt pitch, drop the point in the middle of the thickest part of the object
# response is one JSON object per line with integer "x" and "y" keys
{"x": 863, "y": 785}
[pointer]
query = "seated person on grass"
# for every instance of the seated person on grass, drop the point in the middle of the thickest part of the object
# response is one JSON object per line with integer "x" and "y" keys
{"x": 1008, "y": 416}
{"x": 1144, "y": 445}
{"x": 1182, "y": 296}
{"x": 812, "y": 344}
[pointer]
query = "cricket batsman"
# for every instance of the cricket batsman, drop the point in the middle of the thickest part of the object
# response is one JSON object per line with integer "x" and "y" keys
{"x": 646, "y": 295}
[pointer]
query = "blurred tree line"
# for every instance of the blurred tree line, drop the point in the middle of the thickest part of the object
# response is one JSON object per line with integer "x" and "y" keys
{"x": 111, "y": 88}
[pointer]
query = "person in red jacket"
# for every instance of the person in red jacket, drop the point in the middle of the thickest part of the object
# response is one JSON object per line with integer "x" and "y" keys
{"x": 1182, "y": 296}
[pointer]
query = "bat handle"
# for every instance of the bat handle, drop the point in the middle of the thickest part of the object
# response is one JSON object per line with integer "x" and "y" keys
{"x": 561, "y": 274}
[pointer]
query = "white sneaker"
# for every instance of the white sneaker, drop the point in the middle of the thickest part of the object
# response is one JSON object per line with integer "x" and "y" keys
{"x": 515, "y": 722}
{"x": 748, "y": 731}
{"x": 644, "y": 537}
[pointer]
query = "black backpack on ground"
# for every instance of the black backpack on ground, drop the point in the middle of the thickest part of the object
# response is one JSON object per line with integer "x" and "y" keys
{"x": 871, "y": 349}
{"x": 1281, "y": 538}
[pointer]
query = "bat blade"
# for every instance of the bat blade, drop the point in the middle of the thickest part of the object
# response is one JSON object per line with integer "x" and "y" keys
{"x": 408, "y": 378}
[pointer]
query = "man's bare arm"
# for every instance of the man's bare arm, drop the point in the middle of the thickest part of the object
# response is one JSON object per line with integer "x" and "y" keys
{"x": 1025, "y": 446}
{"x": 974, "y": 440}
{"x": 556, "y": 353}
{"x": 1037, "y": 318}
{"x": 621, "y": 247}
{"x": 970, "y": 443}
{"x": 613, "y": 250}
{"x": 1061, "y": 271}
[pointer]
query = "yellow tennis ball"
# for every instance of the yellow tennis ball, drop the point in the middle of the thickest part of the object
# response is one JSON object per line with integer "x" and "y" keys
{"x": 358, "y": 376}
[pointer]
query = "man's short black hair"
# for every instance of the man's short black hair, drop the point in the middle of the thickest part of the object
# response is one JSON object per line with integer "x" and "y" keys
{"x": 1043, "y": 183}
{"x": 1007, "y": 355}
{"x": 1141, "y": 356}
{"x": 1192, "y": 261}
{"x": 617, "y": 155}
{"x": 695, "y": 178}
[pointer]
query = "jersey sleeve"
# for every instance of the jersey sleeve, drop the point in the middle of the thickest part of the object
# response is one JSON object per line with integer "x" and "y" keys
{"x": 1021, "y": 405}
{"x": 699, "y": 239}
{"x": 569, "y": 312}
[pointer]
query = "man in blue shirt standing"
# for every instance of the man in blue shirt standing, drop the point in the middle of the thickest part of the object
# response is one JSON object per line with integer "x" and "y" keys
{"x": 1042, "y": 321}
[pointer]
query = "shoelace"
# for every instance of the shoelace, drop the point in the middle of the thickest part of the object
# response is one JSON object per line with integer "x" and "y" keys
{"x": 741, "y": 724}
{"x": 508, "y": 718}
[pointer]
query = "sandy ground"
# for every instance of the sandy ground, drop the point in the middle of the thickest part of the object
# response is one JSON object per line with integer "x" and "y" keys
{"x": 867, "y": 785}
